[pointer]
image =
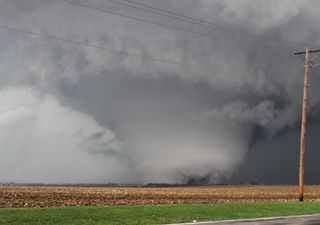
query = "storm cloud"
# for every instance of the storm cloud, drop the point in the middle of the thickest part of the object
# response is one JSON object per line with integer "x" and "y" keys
{"x": 72, "y": 113}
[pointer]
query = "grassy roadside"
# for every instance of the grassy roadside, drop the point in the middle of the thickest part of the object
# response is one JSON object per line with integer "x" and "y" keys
{"x": 152, "y": 214}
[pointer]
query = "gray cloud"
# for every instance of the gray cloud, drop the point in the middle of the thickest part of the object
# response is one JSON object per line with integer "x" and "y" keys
{"x": 116, "y": 118}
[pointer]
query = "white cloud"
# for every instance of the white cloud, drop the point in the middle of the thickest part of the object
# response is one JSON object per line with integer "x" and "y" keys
{"x": 43, "y": 141}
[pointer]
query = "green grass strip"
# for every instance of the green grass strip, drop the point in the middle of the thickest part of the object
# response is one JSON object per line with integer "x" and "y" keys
{"x": 152, "y": 214}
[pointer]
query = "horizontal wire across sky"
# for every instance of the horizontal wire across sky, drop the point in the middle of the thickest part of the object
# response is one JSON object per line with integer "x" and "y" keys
{"x": 159, "y": 12}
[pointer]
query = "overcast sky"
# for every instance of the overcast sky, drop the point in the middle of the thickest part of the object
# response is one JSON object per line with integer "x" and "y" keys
{"x": 70, "y": 113}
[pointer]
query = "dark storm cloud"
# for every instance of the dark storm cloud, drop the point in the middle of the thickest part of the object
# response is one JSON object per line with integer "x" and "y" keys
{"x": 109, "y": 117}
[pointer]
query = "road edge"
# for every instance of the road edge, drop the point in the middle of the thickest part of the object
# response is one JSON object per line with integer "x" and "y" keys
{"x": 245, "y": 220}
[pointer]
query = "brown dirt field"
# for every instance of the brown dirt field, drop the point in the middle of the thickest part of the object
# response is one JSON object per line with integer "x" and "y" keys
{"x": 69, "y": 196}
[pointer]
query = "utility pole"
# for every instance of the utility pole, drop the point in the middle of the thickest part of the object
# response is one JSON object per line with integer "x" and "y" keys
{"x": 308, "y": 62}
{"x": 304, "y": 125}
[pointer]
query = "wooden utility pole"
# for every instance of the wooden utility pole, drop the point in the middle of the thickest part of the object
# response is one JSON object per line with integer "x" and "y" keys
{"x": 303, "y": 125}
{"x": 308, "y": 61}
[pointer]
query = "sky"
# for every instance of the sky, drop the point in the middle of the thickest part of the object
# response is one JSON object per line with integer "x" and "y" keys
{"x": 155, "y": 98}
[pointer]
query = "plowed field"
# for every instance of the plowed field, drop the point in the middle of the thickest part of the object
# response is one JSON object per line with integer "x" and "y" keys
{"x": 69, "y": 196}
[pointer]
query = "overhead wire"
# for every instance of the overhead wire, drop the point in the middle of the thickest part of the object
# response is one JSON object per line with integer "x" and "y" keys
{"x": 231, "y": 76}
{"x": 277, "y": 49}
{"x": 314, "y": 88}
{"x": 115, "y": 51}
{"x": 182, "y": 17}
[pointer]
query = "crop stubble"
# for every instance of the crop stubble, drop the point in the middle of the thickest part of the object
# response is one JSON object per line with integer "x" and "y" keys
{"x": 80, "y": 196}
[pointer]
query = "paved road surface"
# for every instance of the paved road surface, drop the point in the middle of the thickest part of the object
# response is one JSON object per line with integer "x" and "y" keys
{"x": 296, "y": 220}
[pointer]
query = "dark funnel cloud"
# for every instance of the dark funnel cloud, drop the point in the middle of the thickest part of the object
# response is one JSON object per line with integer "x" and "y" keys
{"x": 71, "y": 114}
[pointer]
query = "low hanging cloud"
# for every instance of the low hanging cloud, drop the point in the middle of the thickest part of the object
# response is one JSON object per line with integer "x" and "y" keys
{"x": 44, "y": 141}
{"x": 72, "y": 114}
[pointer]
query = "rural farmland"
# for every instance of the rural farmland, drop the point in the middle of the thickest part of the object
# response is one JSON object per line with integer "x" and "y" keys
{"x": 17, "y": 197}
{"x": 145, "y": 112}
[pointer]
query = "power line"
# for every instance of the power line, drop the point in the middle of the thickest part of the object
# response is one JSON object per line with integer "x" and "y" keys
{"x": 181, "y": 17}
{"x": 203, "y": 22}
{"x": 278, "y": 49}
{"x": 314, "y": 88}
{"x": 114, "y": 51}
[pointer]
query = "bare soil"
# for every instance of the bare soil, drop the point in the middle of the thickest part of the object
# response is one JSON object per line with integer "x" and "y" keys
{"x": 17, "y": 197}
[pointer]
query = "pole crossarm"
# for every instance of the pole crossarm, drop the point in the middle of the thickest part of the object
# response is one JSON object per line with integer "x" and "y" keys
{"x": 313, "y": 62}
{"x": 304, "y": 53}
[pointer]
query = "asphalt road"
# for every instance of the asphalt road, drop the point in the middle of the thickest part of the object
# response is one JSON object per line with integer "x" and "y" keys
{"x": 296, "y": 220}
